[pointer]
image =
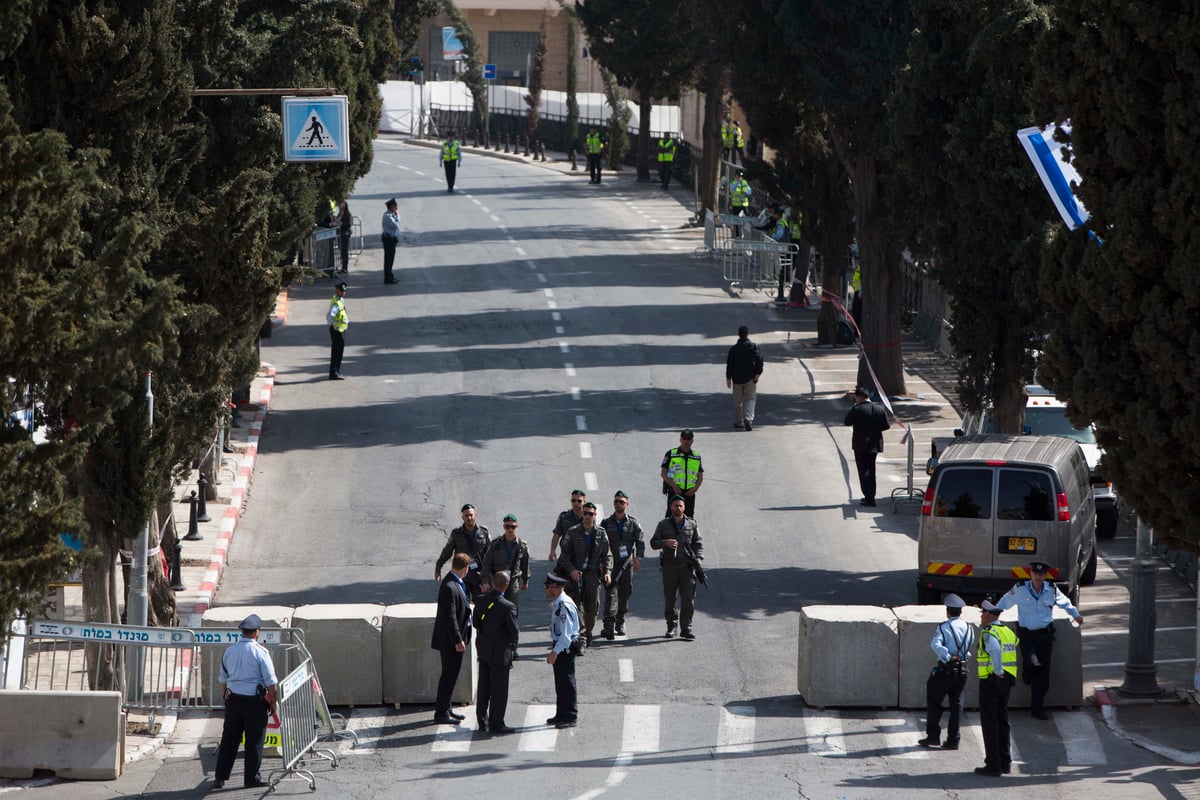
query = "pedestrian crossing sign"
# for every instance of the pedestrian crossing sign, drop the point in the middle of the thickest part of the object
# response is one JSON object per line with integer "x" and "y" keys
{"x": 316, "y": 129}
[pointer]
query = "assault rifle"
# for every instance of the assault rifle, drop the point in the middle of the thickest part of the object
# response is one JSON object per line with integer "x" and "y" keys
{"x": 694, "y": 562}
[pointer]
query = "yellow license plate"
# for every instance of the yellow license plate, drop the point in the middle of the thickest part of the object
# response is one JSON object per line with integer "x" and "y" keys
{"x": 1022, "y": 544}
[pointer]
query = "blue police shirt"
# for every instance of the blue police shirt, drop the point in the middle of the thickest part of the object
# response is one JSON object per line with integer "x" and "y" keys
{"x": 246, "y": 666}
{"x": 564, "y": 623}
{"x": 1035, "y": 610}
{"x": 954, "y": 637}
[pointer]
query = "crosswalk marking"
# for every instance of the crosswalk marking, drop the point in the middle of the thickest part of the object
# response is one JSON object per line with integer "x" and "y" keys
{"x": 369, "y": 727}
{"x": 538, "y": 737}
{"x": 1080, "y": 738}
{"x": 735, "y": 733}
{"x": 901, "y": 737}
{"x": 824, "y": 732}
{"x": 454, "y": 738}
{"x": 625, "y": 669}
{"x": 640, "y": 731}
{"x": 977, "y": 734}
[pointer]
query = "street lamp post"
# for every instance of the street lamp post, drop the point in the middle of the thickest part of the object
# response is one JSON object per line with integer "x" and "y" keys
{"x": 1140, "y": 669}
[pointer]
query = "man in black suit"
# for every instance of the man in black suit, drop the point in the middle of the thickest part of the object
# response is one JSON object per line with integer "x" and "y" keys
{"x": 496, "y": 621}
{"x": 869, "y": 421}
{"x": 451, "y": 635}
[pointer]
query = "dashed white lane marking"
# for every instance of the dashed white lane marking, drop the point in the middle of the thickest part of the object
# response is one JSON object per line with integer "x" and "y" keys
{"x": 580, "y": 422}
{"x": 823, "y": 730}
{"x": 531, "y": 265}
{"x": 556, "y": 316}
{"x": 574, "y": 391}
{"x": 548, "y": 292}
{"x": 560, "y": 330}
{"x": 640, "y": 731}
{"x": 585, "y": 450}
{"x": 625, "y": 669}
{"x": 418, "y": 172}
{"x": 590, "y": 482}
{"x": 570, "y": 369}
{"x": 551, "y": 304}
{"x": 381, "y": 161}
{"x": 1080, "y": 739}
{"x": 1156, "y": 661}
{"x": 563, "y": 347}
{"x": 485, "y": 210}
{"x": 454, "y": 738}
{"x": 495, "y": 218}
{"x": 537, "y": 736}
{"x": 735, "y": 733}
{"x": 521, "y": 252}
{"x": 476, "y": 202}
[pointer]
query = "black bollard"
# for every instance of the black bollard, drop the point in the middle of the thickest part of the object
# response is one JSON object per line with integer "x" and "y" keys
{"x": 193, "y": 534}
{"x": 506, "y": 139}
{"x": 176, "y": 568}
{"x": 526, "y": 143}
{"x": 574, "y": 163}
{"x": 202, "y": 513}
{"x": 541, "y": 149}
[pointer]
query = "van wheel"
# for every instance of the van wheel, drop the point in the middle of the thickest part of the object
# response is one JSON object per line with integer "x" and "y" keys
{"x": 1088, "y": 576}
{"x": 1073, "y": 596}
{"x": 1106, "y": 524}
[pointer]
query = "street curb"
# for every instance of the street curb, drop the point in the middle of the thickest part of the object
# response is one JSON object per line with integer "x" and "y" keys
{"x": 1108, "y": 710}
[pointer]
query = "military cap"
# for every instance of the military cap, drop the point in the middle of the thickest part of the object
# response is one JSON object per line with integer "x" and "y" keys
{"x": 466, "y": 506}
{"x": 510, "y": 518}
{"x": 621, "y": 494}
{"x": 675, "y": 497}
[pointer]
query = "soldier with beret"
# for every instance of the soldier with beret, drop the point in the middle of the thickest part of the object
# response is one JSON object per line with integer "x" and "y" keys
{"x": 1035, "y": 601}
{"x": 567, "y": 520}
{"x": 510, "y": 554}
{"x": 952, "y": 644}
{"x": 587, "y": 563}
{"x": 248, "y": 685}
{"x": 472, "y": 539}
{"x": 677, "y": 537}
{"x": 627, "y": 546}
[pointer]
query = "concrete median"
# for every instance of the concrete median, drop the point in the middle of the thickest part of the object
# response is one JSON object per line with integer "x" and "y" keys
{"x": 411, "y": 668}
{"x": 848, "y": 656}
{"x": 78, "y": 735}
{"x": 346, "y": 646}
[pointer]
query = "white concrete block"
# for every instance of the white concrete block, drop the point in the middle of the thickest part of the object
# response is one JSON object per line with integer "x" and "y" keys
{"x": 1066, "y": 664}
{"x": 273, "y": 617}
{"x": 916, "y": 625}
{"x": 346, "y": 645}
{"x": 848, "y": 656}
{"x": 76, "y": 735}
{"x": 411, "y": 668}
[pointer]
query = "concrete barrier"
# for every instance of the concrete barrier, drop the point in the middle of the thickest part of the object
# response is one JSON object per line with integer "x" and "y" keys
{"x": 77, "y": 735}
{"x": 411, "y": 668}
{"x": 1066, "y": 665}
{"x": 915, "y": 628}
{"x": 230, "y": 617}
{"x": 848, "y": 656}
{"x": 346, "y": 646}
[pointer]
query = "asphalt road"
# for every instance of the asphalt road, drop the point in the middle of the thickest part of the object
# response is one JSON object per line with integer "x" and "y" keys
{"x": 545, "y": 335}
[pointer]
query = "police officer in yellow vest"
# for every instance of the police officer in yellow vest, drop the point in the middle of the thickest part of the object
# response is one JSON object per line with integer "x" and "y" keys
{"x": 451, "y": 159}
{"x": 682, "y": 473}
{"x": 997, "y": 657}
{"x": 338, "y": 321}
{"x": 666, "y": 157}
{"x": 739, "y": 199}
{"x": 595, "y": 152}
{"x": 739, "y": 142}
{"x": 727, "y": 138}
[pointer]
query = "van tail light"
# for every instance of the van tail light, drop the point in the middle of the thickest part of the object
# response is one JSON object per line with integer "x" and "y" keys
{"x": 1064, "y": 510}
{"x": 927, "y": 503}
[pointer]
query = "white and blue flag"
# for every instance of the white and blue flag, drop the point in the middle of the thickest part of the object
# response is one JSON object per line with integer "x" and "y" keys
{"x": 1056, "y": 172}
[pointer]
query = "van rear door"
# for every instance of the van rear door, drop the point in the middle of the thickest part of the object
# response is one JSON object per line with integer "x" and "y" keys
{"x": 957, "y": 535}
{"x": 1026, "y": 526}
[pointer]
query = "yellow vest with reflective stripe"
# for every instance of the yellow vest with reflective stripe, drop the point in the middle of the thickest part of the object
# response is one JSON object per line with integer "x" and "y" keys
{"x": 739, "y": 193}
{"x": 1008, "y": 650}
{"x": 666, "y": 150}
{"x": 684, "y": 468}
{"x": 594, "y": 144}
{"x": 341, "y": 320}
{"x": 737, "y": 137}
{"x": 450, "y": 151}
{"x": 727, "y": 135}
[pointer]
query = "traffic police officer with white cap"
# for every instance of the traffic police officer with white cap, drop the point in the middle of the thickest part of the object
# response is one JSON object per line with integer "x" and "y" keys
{"x": 1035, "y": 601}
{"x": 952, "y": 643}
{"x": 997, "y": 657}
{"x": 248, "y": 683}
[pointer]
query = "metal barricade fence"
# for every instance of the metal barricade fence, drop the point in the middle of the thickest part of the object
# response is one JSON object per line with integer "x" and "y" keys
{"x": 324, "y": 250}
{"x": 299, "y": 723}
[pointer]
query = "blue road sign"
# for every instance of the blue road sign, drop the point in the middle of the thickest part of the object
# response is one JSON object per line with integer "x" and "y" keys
{"x": 316, "y": 129}
{"x": 489, "y": 72}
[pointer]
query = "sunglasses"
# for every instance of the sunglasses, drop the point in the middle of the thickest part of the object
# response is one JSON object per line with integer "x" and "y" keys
{"x": 619, "y": 502}
{"x": 589, "y": 513}
{"x": 510, "y": 527}
{"x": 576, "y": 500}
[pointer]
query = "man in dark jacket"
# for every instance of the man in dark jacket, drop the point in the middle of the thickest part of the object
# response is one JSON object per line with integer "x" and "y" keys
{"x": 743, "y": 366}
{"x": 869, "y": 421}
{"x": 471, "y": 539}
{"x": 451, "y": 635}
{"x": 496, "y": 621}
{"x": 586, "y": 562}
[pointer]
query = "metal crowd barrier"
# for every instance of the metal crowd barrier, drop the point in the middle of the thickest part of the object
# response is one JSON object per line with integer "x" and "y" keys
{"x": 297, "y": 707}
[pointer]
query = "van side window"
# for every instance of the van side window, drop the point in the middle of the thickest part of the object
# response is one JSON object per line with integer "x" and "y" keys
{"x": 1026, "y": 494}
{"x": 964, "y": 493}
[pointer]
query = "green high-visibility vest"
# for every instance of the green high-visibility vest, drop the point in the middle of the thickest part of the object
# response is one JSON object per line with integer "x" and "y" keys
{"x": 1008, "y": 650}
{"x": 737, "y": 137}
{"x": 727, "y": 135}
{"x": 594, "y": 143}
{"x": 341, "y": 320}
{"x": 739, "y": 193}
{"x": 684, "y": 468}
{"x": 449, "y": 151}
{"x": 666, "y": 150}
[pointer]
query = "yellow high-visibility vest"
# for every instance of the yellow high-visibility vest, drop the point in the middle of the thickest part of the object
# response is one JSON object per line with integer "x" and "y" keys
{"x": 1008, "y": 650}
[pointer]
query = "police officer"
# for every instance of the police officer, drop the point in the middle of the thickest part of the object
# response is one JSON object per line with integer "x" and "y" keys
{"x": 472, "y": 539}
{"x": 595, "y": 152}
{"x": 682, "y": 473}
{"x": 587, "y": 563}
{"x": 952, "y": 644}
{"x": 566, "y": 520}
{"x": 739, "y": 199}
{"x": 509, "y": 554}
{"x": 248, "y": 684}
{"x": 626, "y": 543}
{"x": 727, "y": 139}
{"x": 1035, "y": 601}
{"x": 675, "y": 536}
{"x": 339, "y": 322}
{"x": 564, "y": 631}
{"x": 997, "y": 673}
{"x": 451, "y": 158}
{"x": 666, "y": 158}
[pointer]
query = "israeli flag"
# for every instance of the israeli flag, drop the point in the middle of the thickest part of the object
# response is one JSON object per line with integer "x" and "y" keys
{"x": 1056, "y": 173}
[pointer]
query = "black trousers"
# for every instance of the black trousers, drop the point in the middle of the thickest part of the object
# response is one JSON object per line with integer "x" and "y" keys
{"x": 679, "y": 581}
{"x": 564, "y": 687}
{"x": 344, "y": 246}
{"x": 664, "y": 173}
{"x": 1037, "y": 645}
{"x": 993, "y": 720}
{"x": 616, "y": 598}
{"x": 593, "y": 161}
{"x": 491, "y": 693}
{"x": 944, "y": 681}
{"x": 864, "y": 462}
{"x": 451, "y": 168}
{"x": 337, "y": 346}
{"x": 243, "y": 715}
{"x": 451, "y": 664}
{"x": 389, "y": 257}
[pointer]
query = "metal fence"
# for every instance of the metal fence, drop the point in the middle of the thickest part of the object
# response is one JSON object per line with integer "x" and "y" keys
{"x": 299, "y": 725}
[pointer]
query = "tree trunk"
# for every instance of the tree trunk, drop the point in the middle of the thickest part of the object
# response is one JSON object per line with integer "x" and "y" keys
{"x": 833, "y": 267}
{"x": 99, "y": 605}
{"x": 710, "y": 166}
{"x": 645, "y": 105}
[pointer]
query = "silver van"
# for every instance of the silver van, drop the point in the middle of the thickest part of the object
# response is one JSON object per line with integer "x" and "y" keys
{"x": 995, "y": 503}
